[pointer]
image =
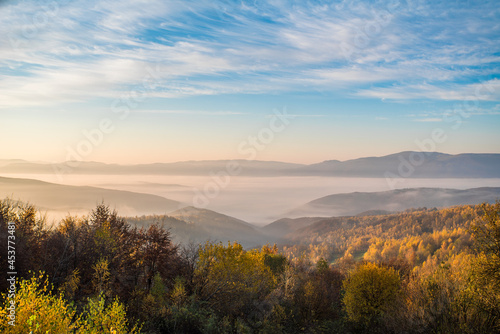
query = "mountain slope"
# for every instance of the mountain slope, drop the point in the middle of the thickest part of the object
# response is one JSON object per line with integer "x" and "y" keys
{"x": 181, "y": 232}
{"x": 411, "y": 235}
{"x": 198, "y": 225}
{"x": 284, "y": 226}
{"x": 60, "y": 200}
{"x": 350, "y": 204}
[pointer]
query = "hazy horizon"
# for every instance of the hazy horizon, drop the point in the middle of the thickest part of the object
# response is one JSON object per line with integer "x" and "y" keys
{"x": 253, "y": 160}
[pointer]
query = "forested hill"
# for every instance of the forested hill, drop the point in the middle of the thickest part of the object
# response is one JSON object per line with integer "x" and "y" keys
{"x": 350, "y": 204}
{"x": 384, "y": 236}
{"x": 198, "y": 225}
{"x": 421, "y": 271}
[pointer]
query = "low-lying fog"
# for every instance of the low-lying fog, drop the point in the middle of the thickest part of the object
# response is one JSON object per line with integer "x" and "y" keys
{"x": 258, "y": 200}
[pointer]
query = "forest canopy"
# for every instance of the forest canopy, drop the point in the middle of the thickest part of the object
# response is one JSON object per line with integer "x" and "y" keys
{"x": 420, "y": 271}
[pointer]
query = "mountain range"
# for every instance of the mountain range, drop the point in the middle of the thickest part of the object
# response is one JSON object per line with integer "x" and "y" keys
{"x": 411, "y": 164}
{"x": 403, "y": 164}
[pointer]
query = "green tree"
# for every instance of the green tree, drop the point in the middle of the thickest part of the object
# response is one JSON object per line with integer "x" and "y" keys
{"x": 322, "y": 265}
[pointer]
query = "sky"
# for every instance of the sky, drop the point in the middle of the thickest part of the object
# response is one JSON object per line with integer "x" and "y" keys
{"x": 137, "y": 81}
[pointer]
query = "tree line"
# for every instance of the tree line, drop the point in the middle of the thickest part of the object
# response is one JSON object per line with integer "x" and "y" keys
{"x": 428, "y": 271}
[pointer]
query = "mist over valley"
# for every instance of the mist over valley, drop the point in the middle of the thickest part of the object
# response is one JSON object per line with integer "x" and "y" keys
{"x": 259, "y": 193}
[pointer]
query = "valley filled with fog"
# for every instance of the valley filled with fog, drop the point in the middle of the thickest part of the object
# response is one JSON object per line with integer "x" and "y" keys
{"x": 257, "y": 200}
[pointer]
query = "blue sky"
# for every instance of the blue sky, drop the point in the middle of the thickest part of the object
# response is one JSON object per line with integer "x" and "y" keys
{"x": 159, "y": 81}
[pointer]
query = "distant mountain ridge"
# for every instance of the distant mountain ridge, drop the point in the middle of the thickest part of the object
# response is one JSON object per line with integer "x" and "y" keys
{"x": 403, "y": 164}
{"x": 411, "y": 164}
{"x": 252, "y": 167}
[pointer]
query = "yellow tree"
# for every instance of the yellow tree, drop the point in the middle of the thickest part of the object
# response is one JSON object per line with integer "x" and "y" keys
{"x": 370, "y": 292}
{"x": 233, "y": 281}
{"x": 36, "y": 310}
{"x": 99, "y": 318}
{"x": 486, "y": 233}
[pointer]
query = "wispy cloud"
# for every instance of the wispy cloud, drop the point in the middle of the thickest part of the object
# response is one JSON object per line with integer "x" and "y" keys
{"x": 190, "y": 112}
{"x": 300, "y": 115}
{"x": 430, "y": 119}
{"x": 86, "y": 49}
{"x": 489, "y": 90}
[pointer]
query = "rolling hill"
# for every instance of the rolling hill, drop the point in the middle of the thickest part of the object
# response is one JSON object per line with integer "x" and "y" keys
{"x": 59, "y": 200}
{"x": 284, "y": 226}
{"x": 408, "y": 235}
{"x": 350, "y": 204}
{"x": 198, "y": 225}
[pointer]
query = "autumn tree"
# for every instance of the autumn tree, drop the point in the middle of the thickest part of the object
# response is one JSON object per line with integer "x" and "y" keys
{"x": 21, "y": 225}
{"x": 317, "y": 297}
{"x": 233, "y": 281}
{"x": 108, "y": 237}
{"x": 101, "y": 317}
{"x": 486, "y": 234}
{"x": 370, "y": 292}
{"x": 39, "y": 309}
{"x": 155, "y": 253}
